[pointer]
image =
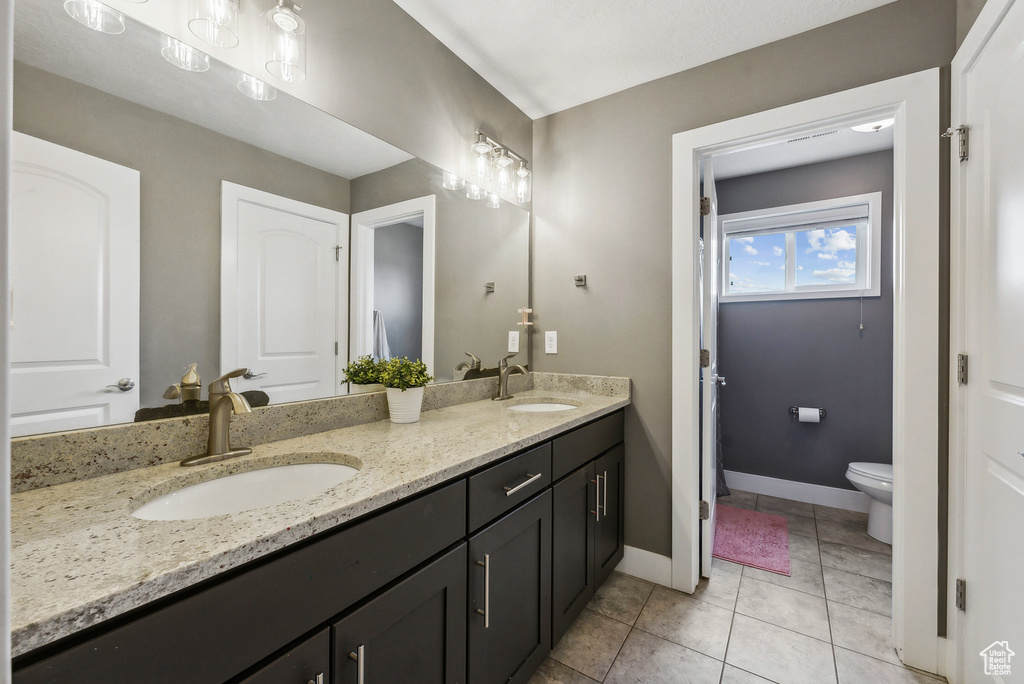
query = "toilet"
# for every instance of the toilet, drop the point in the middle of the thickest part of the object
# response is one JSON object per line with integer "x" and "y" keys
{"x": 875, "y": 480}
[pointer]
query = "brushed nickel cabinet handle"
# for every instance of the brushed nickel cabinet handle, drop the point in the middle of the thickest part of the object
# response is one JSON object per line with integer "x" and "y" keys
{"x": 604, "y": 496}
{"x": 319, "y": 679}
{"x": 360, "y": 657}
{"x": 598, "y": 483}
{"x": 486, "y": 612}
{"x": 509, "y": 491}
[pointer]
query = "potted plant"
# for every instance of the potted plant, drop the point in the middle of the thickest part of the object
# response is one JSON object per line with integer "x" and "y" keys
{"x": 363, "y": 375}
{"x": 404, "y": 380}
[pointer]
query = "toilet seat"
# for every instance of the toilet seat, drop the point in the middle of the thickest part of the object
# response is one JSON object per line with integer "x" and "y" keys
{"x": 877, "y": 471}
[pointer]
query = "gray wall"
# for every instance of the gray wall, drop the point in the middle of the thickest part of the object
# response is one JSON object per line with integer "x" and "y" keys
{"x": 398, "y": 286}
{"x": 603, "y": 202}
{"x": 473, "y": 245}
{"x": 808, "y": 352}
{"x": 181, "y": 167}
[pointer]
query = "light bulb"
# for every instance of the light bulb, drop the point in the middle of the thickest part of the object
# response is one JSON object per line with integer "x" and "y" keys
{"x": 214, "y": 21}
{"x": 95, "y": 15}
{"x": 523, "y": 182}
{"x": 286, "y": 42}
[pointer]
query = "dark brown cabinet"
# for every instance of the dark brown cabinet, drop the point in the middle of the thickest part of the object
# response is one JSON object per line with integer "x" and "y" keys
{"x": 610, "y": 522}
{"x": 307, "y": 663}
{"x": 510, "y": 595}
{"x": 414, "y": 632}
{"x": 573, "y": 580}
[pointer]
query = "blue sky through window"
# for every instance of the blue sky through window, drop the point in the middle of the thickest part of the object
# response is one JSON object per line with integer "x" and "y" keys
{"x": 757, "y": 264}
{"x": 826, "y": 256}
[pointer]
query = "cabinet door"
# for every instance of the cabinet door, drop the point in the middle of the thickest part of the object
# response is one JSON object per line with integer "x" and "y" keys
{"x": 611, "y": 527}
{"x": 572, "y": 541}
{"x": 307, "y": 663}
{"x": 510, "y": 595}
{"x": 414, "y": 632}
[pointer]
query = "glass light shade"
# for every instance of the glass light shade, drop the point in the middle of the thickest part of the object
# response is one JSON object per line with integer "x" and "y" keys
{"x": 286, "y": 43}
{"x": 493, "y": 201}
{"x": 504, "y": 164}
{"x": 452, "y": 182}
{"x": 474, "y": 192}
{"x": 522, "y": 182}
{"x": 183, "y": 56}
{"x": 214, "y": 21}
{"x": 256, "y": 89}
{"x": 95, "y": 15}
{"x": 874, "y": 126}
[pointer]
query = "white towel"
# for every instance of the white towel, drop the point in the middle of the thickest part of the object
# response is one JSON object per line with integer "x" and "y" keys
{"x": 381, "y": 350}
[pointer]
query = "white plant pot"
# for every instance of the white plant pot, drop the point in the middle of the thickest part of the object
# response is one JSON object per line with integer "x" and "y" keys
{"x": 405, "y": 406}
{"x": 363, "y": 389}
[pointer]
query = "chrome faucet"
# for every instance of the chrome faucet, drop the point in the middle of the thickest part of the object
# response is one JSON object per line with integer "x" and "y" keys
{"x": 223, "y": 403}
{"x": 505, "y": 370}
{"x": 466, "y": 365}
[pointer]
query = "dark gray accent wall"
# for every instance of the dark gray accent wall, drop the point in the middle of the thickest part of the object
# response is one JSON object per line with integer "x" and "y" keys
{"x": 602, "y": 204}
{"x": 809, "y": 352}
{"x": 398, "y": 286}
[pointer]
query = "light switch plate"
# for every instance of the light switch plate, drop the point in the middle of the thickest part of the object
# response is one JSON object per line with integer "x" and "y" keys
{"x": 550, "y": 342}
{"x": 513, "y": 341}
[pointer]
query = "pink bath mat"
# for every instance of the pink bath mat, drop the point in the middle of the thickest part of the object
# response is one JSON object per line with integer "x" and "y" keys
{"x": 750, "y": 538}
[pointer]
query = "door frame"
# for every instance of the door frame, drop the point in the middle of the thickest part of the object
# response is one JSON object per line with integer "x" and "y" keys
{"x": 964, "y": 61}
{"x": 360, "y": 311}
{"x": 914, "y": 102}
{"x": 231, "y": 195}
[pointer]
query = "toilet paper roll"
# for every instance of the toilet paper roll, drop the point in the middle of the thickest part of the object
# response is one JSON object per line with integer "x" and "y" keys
{"x": 808, "y": 415}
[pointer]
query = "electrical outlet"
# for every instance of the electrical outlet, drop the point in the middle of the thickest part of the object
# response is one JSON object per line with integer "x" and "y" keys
{"x": 513, "y": 341}
{"x": 550, "y": 342}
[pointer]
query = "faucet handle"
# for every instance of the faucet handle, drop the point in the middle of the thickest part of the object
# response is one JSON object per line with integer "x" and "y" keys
{"x": 504, "y": 362}
{"x": 222, "y": 385}
{"x": 476, "y": 361}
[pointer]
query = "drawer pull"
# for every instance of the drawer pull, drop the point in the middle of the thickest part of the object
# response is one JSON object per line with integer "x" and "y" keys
{"x": 486, "y": 612}
{"x": 509, "y": 491}
{"x": 604, "y": 496}
{"x": 360, "y": 657}
{"x": 319, "y": 679}
{"x": 598, "y": 512}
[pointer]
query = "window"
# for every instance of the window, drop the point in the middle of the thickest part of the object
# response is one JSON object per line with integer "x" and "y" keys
{"x": 830, "y": 248}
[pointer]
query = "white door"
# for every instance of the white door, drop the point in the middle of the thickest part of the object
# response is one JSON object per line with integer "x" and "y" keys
{"x": 284, "y": 294}
{"x": 74, "y": 289}
{"x": 992, "y": 104}
{"x": 710, "y": 279}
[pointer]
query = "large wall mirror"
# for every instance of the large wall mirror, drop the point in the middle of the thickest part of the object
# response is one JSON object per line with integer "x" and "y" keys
{"x": 164, "y": 217}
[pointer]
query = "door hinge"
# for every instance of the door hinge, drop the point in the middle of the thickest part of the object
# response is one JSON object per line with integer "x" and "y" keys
{"x": 705, "y": 510}
{"x": 335, "y": 348}
{"x": 961, "y": 594}
{"x": 961, "y": 369}
{"x": 964, "y": 136}
{"x": 337, "y": 253}
{"x": 705, "y": 358}
{"x": 705, "y": 206}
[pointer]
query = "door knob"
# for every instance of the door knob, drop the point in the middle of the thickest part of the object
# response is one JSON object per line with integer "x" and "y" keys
{"x": 249, "y": 375}
{"x": 124, "y": 384}
{"x": 719, "y": 380}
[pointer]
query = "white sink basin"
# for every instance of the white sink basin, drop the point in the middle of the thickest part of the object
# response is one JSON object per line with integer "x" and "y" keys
{"x": 541, "y": 407}
{"x": 246, "y": 491}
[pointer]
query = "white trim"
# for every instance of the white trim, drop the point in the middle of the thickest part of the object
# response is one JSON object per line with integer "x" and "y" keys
{"x": 847, "y": 499}
{"x": 788, "y": 220}
{"x": 913, "y": 101}
{"x": 361, "y": 311}
{"x": 6, "y": 26}
{"x": 646, "y": 565}
{"x": 232, "y": 194}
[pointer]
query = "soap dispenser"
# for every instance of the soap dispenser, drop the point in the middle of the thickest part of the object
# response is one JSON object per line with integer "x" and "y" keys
{"x": 190, "y": 387}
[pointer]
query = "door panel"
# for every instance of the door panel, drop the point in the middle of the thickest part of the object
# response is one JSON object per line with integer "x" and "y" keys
{"x": 610, "y": 529}
{"x": 74, "y": 255}
{"x": 572, "y": 561}
{"x": 710, "y": 279}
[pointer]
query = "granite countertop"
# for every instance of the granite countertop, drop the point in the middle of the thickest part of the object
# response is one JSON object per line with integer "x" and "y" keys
{"x": 78, "y": 557}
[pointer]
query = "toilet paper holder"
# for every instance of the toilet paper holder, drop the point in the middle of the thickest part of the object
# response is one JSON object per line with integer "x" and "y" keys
{"x": 794, "y": 411}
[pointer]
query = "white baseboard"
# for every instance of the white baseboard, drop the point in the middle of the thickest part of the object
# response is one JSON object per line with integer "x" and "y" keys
{"x": 799, "y": 491}
{"x": 646, "y": 565}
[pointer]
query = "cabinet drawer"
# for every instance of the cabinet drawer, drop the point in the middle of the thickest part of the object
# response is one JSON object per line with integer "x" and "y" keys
{"x": 310, "y": 661}
{"x": 506, "y": 485}
{"x": 223, "y": 629}
{"x": 584, "y": 444}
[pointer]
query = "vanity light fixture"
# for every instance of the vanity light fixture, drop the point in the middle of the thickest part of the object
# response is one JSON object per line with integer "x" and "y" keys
{"x": 182, "y": 55}
{"x": 493, "y": 201}
{"x": 257, "y": 89}
{"x": 286, "y": 42}
{"x": 474, "y": 191}
{"x": 499, "y": 170}
{"x": 95, "y": 15}
{"x": 874, "y": 126}
{"x": 214, "y": 21}
{"x": 452, "y": 182}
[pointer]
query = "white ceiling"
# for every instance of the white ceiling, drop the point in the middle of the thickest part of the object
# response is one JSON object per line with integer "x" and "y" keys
{"x": 809, "y": 148}
{"x": 129, "y": 66}
{"x": 549, "y": 55}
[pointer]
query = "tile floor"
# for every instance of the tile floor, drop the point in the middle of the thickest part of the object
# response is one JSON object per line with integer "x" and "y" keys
{"x": 827, "y": 623}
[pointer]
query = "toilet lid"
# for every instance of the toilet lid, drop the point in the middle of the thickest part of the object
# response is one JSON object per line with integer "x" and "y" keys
{"x": 880, "y": 471}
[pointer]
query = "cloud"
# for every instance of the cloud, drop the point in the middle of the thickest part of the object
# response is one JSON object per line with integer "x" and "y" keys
{"x": 846, "y": 264}
{"x": 778, "y": 251}
{"x": 744, "y": 240}
{"x": 761, "y": 263}
{"x": 799, "y": 268}
{"x": 733, "y": 276}
{"x": 826, "y": 255}
{"x": 831, "y": 240}
{"x": 836, "y": 275}
{"x": 749, "y": 249}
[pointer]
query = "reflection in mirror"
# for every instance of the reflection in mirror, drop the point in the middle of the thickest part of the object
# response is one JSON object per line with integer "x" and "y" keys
{"x": 114, "y": 103}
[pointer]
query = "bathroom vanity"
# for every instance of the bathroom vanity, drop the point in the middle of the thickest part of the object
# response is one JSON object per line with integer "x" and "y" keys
{"x": 460, "y": 552}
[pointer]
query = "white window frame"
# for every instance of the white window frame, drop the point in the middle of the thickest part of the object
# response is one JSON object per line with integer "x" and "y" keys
{"x": 791, "y": 219}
